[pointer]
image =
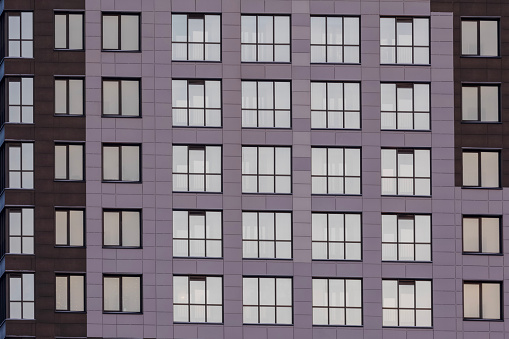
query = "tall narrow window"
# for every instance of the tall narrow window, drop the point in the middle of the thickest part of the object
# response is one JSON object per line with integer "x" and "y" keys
{"x": 122, "y": 294}
{"x": 482, "y": 300}
{"x": 406, "y": 303}
{"x": 266, "y": 169}
{"x": 404, "y": 40}
{"x": 70, "y": 292}
{"x": 405, "y": 106}
{"x": 481, "y": 235}
{"x": 336, "y": 170}
{"x": 406, "y": 237}
{"x": 479, "y": 37}
{"x": 69, "y": 227}
{"x": 481, "y": 169}
{"x": 197, "y": 299}
{"x": 21, "y": 296}
{"x": 480, "y": 103}
{"x": 196, "y": 37}
{"x": 20, "y": 34}
{"x": 69, "y": 30}
{"x": 335, "y": 105}
{"x": 337, "y": 302}
{"x": 121, "y": 163}
{"x": 406, "y": 172}
{"x": 121, "y": 32}
{"x": 69, "y": 162}
{"x": 196, "y": 103}
{"x": 20, "y": 100}
{"x": 21, "y": 230}
{"x": 197, "y": 168}
{"x": 21, "y": 165}
{"x": 335, "y": 39}
{"x": 267, "y": 235}
{"x": 266, "y": 104}
{"x": 265, "y": 38}
{"x": 197, "y": 234}
{"x": 121, "y": 97}
{"x": 336, "y": 236}
{"x": 267, "y": 300}
{"x": 69, "y": 96}
{"x": 122, "y": 228}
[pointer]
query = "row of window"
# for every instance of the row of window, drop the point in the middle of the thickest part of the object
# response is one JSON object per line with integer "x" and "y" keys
{"x": 265, "y": 104}
{"x": 264, "y": 38}
{"x": 265, "y": 300}
{"x": 265, "y": 234}
{"x": 265, "y": 169}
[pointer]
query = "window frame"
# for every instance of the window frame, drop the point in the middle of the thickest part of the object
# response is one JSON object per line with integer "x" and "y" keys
{"x": 119, "y": 14}
{"x": 119, "y": 81}
{"x": 120, "y": 293}
{"x": 67, "y": 210}
{"x": 7, "y": 39}
{"x": 273, "y": 44}
{"x": 342, "y": 45}
{"x": 22, "y": 301}
{"x": 7, "y": 104}
{"x": 68, "y": 276}
{"x": 120, "y": 227}
{"x": 478, "y": 86}
{"x": 67, "y": 13}
{"x": 477, "y": 20}
{"x": 6, "y": 231}
{"x": 67, "y": 161}
{"x": 480, "y": 283}
{"x": 67, "y": 99}
{"x": 479, "y": 217}
{"x": 19, "y": 144}
{"x": 479, "y": 151}
{"x": 119, "y": 146}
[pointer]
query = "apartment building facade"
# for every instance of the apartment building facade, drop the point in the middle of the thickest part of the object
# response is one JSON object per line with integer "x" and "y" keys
{"x": 203, "y": 169}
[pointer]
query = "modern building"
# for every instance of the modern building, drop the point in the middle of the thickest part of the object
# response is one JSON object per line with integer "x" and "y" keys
{"x": 241, "y": 169}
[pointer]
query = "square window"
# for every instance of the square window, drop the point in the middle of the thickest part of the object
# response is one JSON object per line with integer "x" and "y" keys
{"x": 480, "y": 103}
{"x": 265, "y": 38}
{"x": 407, "y": 303}
{"x": 405, "y": 106}
{"x": 336, "y": 170}
{"x": 406, "y": 237}
{"x": 197, "y": 299}
{"x": 267, "y": 300}
{"x": 121, "y": 97}
{"x": 479, "y": 37}
{"x": 481, "y": 234}
{"x": 482, "y": 300}
{"x": 69, "y": 96}
{"x": 196, "y": 37}
{"x": 404, "y": 40}
{"x": 335, "y": 39}
{"x": 197, "y": 234}
{"x": 197, "y": 168}
{"x": 69, "y": 27}
{"x": 121, "y": 32}
{"x": 70, "y": 227}
{"x": 20, "y": 35}
{"x": 196, "y": 103}
{"x": 122, "y": 228}
{"x": 121, "y": 163}
{"x": 336, "y": 236}
{"x": 70, "y": 292}
{"x": 406, "y": 172}
{"x": 266, "y": 104}
{"x": 481, "y": 169}
{"x": 335, "y": 105}
{"x": 122, "y": 293}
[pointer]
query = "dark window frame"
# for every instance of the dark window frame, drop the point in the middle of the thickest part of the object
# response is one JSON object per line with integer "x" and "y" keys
{"x": 479, "y": 168}
{"x": 21, "y": 170}
{"x": 67, "y": 13}
{"x": 479, "y": 234}
{"x": 7, "y": 105}
{"x": 479, "y": 102}
{"x": 477, "y": 20}
{"x": 67, "y": 99}
{"x": 120, "y": 114}
{"x": 22, "y": 300}
{"x": 120, "y": 227}
{"x": 68, "y": 277}
{"x": 6, "y": 232}
{"x": 67, "y": 162}
{"x": 21, "y": 40}
{"x": 67, "y": 210}
{"x": 119, "y": 41}
{"x": 120, "y": 293}
{"x": 119, "y": 146}
{"x": 480, "y": 283}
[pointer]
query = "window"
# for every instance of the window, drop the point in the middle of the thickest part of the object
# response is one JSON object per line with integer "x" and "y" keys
{"x": 404, "y": 40}
{"x": 121, "y": 163}
{"x": 482, "y": 300}
{"x": 479, "y": 37}
{"x": 336, "y": 236}
{"x": 197, "y": 299}
{"x": 21, "y": 165}
{"x": 121, "y": 98}
{"x": 335, "y": 105}
{"x": 69, "y": 162}
{"x": 122, "y": 293}
{"x": 21, "y": 34}
{"x": 69, "y": 227}
{"x": 406, "y": 303}
{"x": 266, "y": 104}
{"x": 336, "y": 170}
{"x": 21, "y": 230}
{"x": 406, "y": 237}
{"x": 335, "y": 39}
{"x": 267, "y": 235}
{"x": 337, "y": 302}
{"x": 197, "y": 168}
{"x": 121, "y": 32}
{"x": 69, "y": 30}
{"x": 122, "y": 228}
{"x": 481, "y": 235}
{"x": 197, "y": 234}
{"x": 196, "y": 103}
{"x": 21, "y": 100}
{"x": 196, "y": 37}
{"x": 480, "y": 103}
{"x": 267, "y": 300}
{"x": 265, "y": 38}
{"x": 21, "y": 296}
{"x": 481, "y": 169}
{"x": 266, "y": 169}
{"x": 70, "y": 293}
{"x": 405, "y": 106}
{"x": 69, "y": 94}
{"x": 406, "y": 172}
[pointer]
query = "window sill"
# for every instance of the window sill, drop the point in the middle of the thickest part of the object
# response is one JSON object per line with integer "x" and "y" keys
{"x": 196, "y": 323}
{"x": 341, "y": 260}
{"x": 68, "y": 50}
{"x": 466, "y": 56}
{"x": 68, "y": 115}
{"x": 410, "y": 327}
{"x": 121, "y": 116}
{"x": 119, "y": 51}
{"x": 120, "y": 182}
{"x": 267, "y": 62}
{"x": 198, "y": 258}
{"x": 269, "y": 128}
{"x": 20, "y": 254}
{"x": 199, "y": 192}
{"x": 405, "y": 130}
{"x": 481, "y": 188}
{"x": 123, "y": 247}
{"x": 475, "y": 122}
{"x": 336, "y": 63}
{"x": 335, "y": 129}
{"x": 405, "y": 196}
{"x": 200, "y": 61}
{"x": 320, "y": 325}
{"x": 408, "y": 261}
{"x": 265, "y": 193}
{"x": 119, "y": 312}
{"x": 71, "y": 312}
{"x": 69, "y": 246}
{"x": 267, "y": 324}
{"x": 483, "y": 320}
{"x": 336, "y": 194}
{"x": 392, "y": 64}
{"x": 484, "y": 254}
{"x": 68, "y": 180}
{"x": 270, "y": 259}
{"x": 218, "y": 127}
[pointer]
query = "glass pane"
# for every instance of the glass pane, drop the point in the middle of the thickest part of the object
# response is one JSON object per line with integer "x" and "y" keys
{"x": 353, "y": 162}
{"x": 212, "y": 28}
{"x": 180, "y": 289}
{"x": 406, "y": 295}
{"x": 421, "y": 32}
{"x": 282, "y": 98}
{"x": 422, "y": 163}
{"x": 14, "y": 26}
{"x": 111, "y": 163}
{"x": 265, "y": 29}
{"x": 196, "y": 33}
{"x": 422, "y": 228}
{"x": 470, "y": 169}
{"x": 469, "y": 37}
{"x": 76, "y": 228}
{"x": 351, "y": 32}
{"x": 388, "y": 163}
{"x": 491, "y": 301}
{"x": 76, "y": 31}
{"x": 61, "y": 293}
{"x": 490, "y": 235}
{"x": 213, "y": 94}
{"x": 267, "y": 291}
{"x": 111, "y": 294}
{"x": 335, "y": 30}
{"x": 77, "y": 296}
{"x": 250, "y": 291}
{"x": 130, "y": 98}
{"x": 61, "y": 228}
{"x": 130, "y": 228}
{"x": 421, "y": 97}
{"x": 282, "y": 29}
{"x": 60, "y": 162}
{"x": 470, "y": 103}
{"x": 75, "y": 162}
{"x": 353, "y": 293}
{"x": 179, "y": 27}
{"x": 489, "y": 103}
{"x": 110, "y": 32}
{"x": 489, "y": 37}
{"x": 489, "y": 169}
{"x": 317, "y": 30}
{"x": 248, "y": 29}
{"x": 130, "y": 163}
{"x": 283, "y": 292}
{"x": 111, "y": 97}
{"x": 390, "y": 293}
{"x": 131, "y": 290}
{"x": 387, "y": 31}
{"x": 75, "y": 97}
{"x": 60, "y": 31}
{"x": 320, "y": 292}
{"x": 471, "y": 299}
{"x": 111, "y": 228}
{"x": 129, "y": 27}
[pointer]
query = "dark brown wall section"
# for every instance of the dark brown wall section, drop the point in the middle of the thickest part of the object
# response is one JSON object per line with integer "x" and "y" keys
{"x": 47, "y": 194}
{"x": 480, "y": 70}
